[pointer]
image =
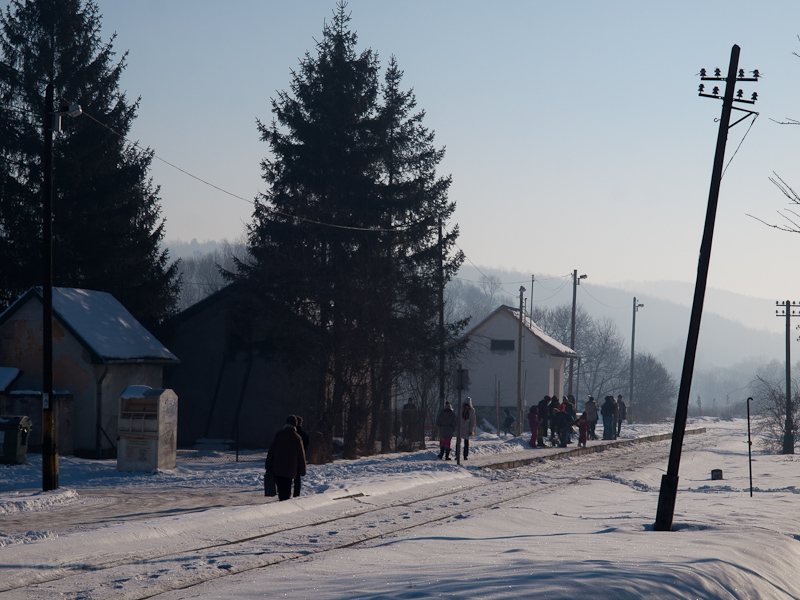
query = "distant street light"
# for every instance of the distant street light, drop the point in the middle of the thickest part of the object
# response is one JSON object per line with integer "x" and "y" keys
{"x": 576, "y": 281}
{"x": 636, "y": 308}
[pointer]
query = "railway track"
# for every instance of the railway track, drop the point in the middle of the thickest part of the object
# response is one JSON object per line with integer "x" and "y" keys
{"x": 159, "y": 571}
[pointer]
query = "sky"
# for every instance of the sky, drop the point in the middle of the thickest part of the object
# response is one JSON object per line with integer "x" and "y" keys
{"x": 408, "y": 526}
{"x": 574, "y": 133}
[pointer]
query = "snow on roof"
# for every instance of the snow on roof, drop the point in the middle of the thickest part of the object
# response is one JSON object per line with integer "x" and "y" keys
{"x": 532, "y": 327}
{"x": 106, "y": 326}
{"x": 102, "y": 324}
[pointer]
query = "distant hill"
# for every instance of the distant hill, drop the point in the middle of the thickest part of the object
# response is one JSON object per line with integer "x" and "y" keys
{"x": 734, "y": 328}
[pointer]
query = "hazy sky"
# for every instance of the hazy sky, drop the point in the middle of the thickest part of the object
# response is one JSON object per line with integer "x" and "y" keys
{"x": 574, "y": 133}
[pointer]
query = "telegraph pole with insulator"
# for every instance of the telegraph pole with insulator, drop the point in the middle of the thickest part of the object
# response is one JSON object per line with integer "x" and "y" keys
{"x": 669, "y": 481}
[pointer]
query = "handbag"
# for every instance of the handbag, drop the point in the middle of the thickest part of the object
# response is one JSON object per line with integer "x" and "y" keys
{"x": 269, "y": 485}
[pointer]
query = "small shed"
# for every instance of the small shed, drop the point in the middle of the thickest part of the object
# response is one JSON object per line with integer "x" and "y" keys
{"x": 490, "y": 352}
{"x": 99, "y": 349}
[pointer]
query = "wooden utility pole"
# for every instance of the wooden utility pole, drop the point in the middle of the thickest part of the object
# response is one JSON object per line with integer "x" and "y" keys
{"x": 636, "y": 308}
{"x": 519, "y": 360}
{"x": 49, "y": 447}
{"x": 788, "y": 427}
{"x": 669, "y": 481}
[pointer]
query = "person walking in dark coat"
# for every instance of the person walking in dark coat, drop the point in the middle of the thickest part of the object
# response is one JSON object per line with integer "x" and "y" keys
{"x": 622, "y": 414}
{"x": 533, "y": 424}
{"x": 544, "y": 409}
{"x": 286, "y": 459}
{"x": 591, "y": 411}
{"x": 303, "y": 436}
{"x": 508, "y": 421}
{"x": 608, "y": 411}
{"x": 447, "y": 423}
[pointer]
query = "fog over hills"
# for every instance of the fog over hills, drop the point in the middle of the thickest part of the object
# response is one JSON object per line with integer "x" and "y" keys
{"x": 735, "y": 329}
{"x": 739, "y": 334}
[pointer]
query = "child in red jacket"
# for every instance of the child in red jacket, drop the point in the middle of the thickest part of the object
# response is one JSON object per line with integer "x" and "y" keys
{"x": 583, "y": 429}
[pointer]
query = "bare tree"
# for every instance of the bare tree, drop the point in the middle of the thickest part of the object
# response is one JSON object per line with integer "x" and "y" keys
{"x": 769, "y": 406}
{"x": 200, "y": 274}
{"x": 474, "y": 301}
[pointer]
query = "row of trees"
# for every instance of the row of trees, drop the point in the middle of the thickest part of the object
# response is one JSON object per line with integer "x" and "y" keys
{"x": 107, "y": 230}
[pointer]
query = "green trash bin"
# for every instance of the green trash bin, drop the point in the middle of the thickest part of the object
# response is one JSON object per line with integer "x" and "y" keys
{"x": 14, "y": 432}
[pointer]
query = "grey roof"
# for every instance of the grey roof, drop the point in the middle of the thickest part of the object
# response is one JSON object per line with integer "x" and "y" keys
{"x": 102, "y": 324}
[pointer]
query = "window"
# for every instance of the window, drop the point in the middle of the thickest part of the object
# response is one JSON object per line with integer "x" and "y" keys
{"x": 502, "y": 345}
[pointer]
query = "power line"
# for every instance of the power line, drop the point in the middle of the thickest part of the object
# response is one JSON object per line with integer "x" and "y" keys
{"x": 224, "y": 191}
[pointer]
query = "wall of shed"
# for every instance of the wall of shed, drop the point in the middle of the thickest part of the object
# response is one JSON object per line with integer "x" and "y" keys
{"x": 209, "y": 383}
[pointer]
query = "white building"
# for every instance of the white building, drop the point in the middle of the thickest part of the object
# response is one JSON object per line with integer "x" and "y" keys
{"x": 491, "y": 355}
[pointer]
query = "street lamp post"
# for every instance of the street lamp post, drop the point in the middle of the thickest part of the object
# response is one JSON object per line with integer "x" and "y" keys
{"x": 636, "y": 308}
{"x": 52, "y": 121}
{"x": 576, "y": 281}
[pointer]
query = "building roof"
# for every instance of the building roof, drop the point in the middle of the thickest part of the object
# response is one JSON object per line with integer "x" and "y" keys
{"x": 101, "y": 324}
{"x": 532, "y": 328}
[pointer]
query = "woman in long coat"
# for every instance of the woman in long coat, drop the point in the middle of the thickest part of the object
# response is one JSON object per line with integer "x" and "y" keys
{"x": 446, "y": 422}
{"x": 468, "y": 422}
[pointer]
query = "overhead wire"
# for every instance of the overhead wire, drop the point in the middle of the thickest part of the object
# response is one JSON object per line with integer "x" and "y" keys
{"x": 224, "y": 191}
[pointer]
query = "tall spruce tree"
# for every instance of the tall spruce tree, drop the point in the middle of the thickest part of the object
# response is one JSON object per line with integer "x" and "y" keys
{"x": 344, "y": 244}
{"x": 106, "y": 214}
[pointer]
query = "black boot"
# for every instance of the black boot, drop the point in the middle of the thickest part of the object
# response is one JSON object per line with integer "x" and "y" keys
{"x": 441, "y": 453}
{"x": 447, "y": 454}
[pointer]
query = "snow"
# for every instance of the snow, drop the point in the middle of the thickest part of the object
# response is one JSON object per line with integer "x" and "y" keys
{"x": 408, "y": 526}
{"x": 101, "y": 322}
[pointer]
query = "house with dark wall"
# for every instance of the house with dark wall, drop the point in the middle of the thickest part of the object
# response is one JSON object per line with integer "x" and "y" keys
{"x": 228, "y": 391}
{"x": 99, "y": 349}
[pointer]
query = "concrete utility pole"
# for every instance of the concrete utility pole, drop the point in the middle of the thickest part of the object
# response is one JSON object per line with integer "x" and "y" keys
{"x": 636, "y": 308}
{"x": 576, "y": 281}
{"x": 669, "y": 481}
{"x": 519, "y": 360}
{"x": 788, "y": 427}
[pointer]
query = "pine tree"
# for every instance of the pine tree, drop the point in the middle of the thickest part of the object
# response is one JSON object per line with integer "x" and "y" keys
{"x": 106, "y": 214}
{"x": 344, "y": 244}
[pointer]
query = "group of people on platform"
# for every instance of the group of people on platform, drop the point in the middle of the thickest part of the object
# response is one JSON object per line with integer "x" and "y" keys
{"x": 551, "y": 420}
{"x": 559, "y": 418}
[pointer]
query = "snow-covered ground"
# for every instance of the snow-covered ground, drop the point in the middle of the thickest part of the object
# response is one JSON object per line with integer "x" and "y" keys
{"x": 408, "y": 526}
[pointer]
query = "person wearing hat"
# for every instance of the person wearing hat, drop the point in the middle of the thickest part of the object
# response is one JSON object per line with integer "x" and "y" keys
{"x": 468, "y": 423}
{"x": 286, "y": 459}
{"x": 447, "y": 423}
